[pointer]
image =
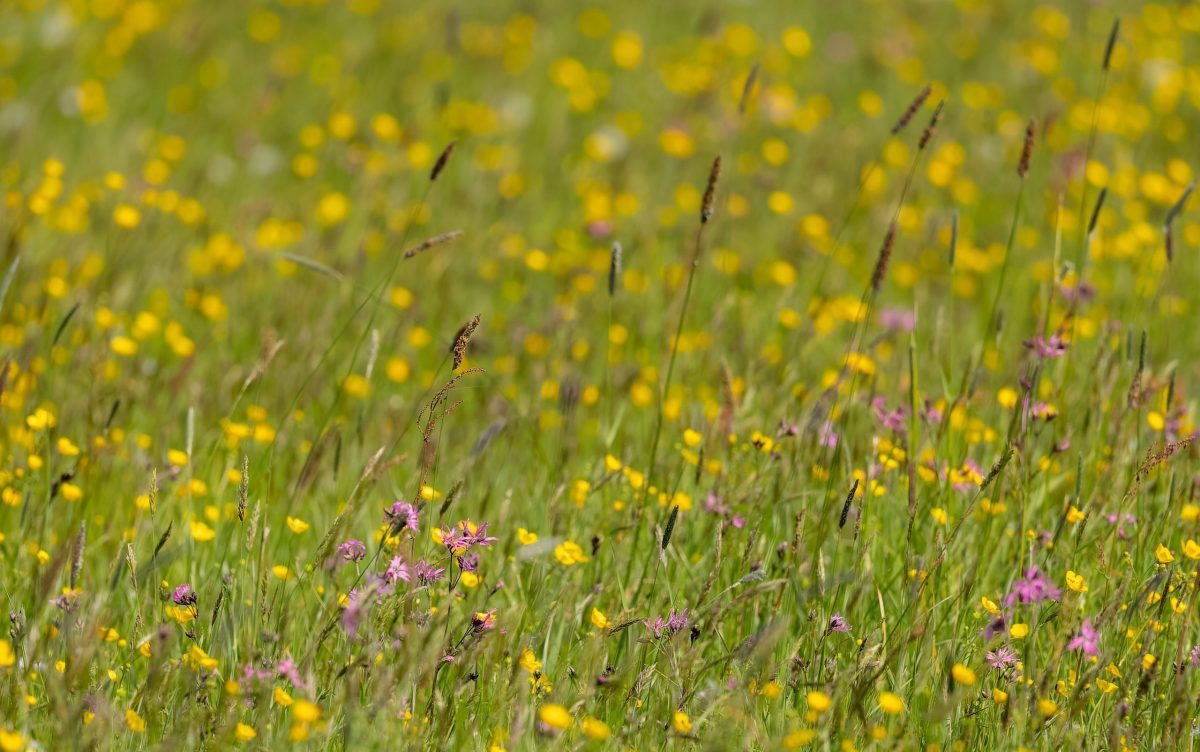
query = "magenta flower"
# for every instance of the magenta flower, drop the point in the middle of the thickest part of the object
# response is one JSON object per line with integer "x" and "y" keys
{"x": 184, "y": 595}
{"x": 352, "y": 550}
{"x": 428, "y": 574}
{"x": 1034, "y": 588}
{"x": 994, "y": 627}
{"x": 892, "y": 420}
{"x": 465, "y": 535}
{"x": 1086, "y": 640}
{"x": 403, "y": 515}
{"x": 397, "y": 570}
{"x": 1002, "y": 658}
{"x": 352, "y": 614}
{"x": 287, "y": 669}
{"x": 897, "y": 319}
{"x": 672, "y": 624}
{"x": 1047, "y": 348}
{"x": 484, "y": 621}
{"x": 837, "y": 623}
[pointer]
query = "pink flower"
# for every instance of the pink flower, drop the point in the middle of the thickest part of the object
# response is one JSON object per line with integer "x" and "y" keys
{"x": 184, "y": 595}
{"x": 1086, "y": 640}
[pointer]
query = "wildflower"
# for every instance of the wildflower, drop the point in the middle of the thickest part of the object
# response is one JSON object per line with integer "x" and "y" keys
{"x": 569, "y": 553}
{"x": 1163, "y": 554}
{"x": 599, "y": 620}
{"x": 799, "y": 738}
{"x": 1018, "y": 631}
{"x": 837, "y": 623}
{"x": 892, "y": 420}
{"x": 681, "y": 722}
{"x": 594, "y": 728}
{"x": 525, "y": 537}
{"x": 994, "y": 627}
{"x": 818, "y": 701}
{"x": 287, "y": 669}
{"x": 483, "y": 621}
{"x": 135, "y": 722}
{"x": 1191, "y": 549}
{"x": 1002, "y": 658}
{"x": 397, "y": 571}
{"x": 403, "y": 515}
{"x": 427, "y": 574}
{"x": 529, "y": 661}
{"x": 244, "y": 733}
{"x": 555, "y": 716}
{"x": 1076, "y": 582}
{"x": 672, "y": 624}
{"x": 1047, "y": 348}
{"x": 460, "y": 538}
{"x": 306, "y": 712}
{"x": 1085, "y": 640}
{"x": 183, "y": 595}
{"x": 962, "y": 675}
{"x": 352, "y": 550}
{"x": 1034, "y": 588}
{"x": 891, "y": 703}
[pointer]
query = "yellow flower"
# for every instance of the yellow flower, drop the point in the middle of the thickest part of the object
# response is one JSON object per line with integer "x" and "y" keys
{"x": 555, "y": 716}
{"x": 201, "y": 532}
{"x": 529, "y": 661}
{"x": 963, "y": 675}
{"x": 1076, "y": 582}
{"x": 525, "y": 537}
{"x": 1075, "y": 515}
{"x": 126, "y": 216}
{"x": 569, "y": 553}
{"x": 594, "y": 728}
{"x": 999, "y": 696}
{"x": 244, "y": 733}
{"x": 1106, "y": 686}
{"x": 1047, "y": 707}
{"x": 11, "y": 741}
{"x": 134, "y": 721}
{"x": 1163, "y": 554}
{"x": 989, "y": 605}
{"x": 7, "y": 656}
{"x": 1018, "y": 631}
{"x": 297, "y": 525}
{"x": 681, "y": 722}
{"x": 799, "y": 738}
{"x": 332, "y": 209}
{"x": 282, "y": 698}
{"x": 891, "y": 703}
{"x": 197, "y": 659}
{"x": 1191, "y": 549}
{"x": 306, "y": 712}
{"x": 818, "y": 701}
{"x": 123, "y": 346}
{"x": 599, "y": 620}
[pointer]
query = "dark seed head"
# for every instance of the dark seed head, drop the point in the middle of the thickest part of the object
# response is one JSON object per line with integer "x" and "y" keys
{"x": 442, "y": 159}
{"x": 885, "y": 256}
{"x": 1026, "y": 150}
{"x": 710, "y": 193}
{"x": 911, "y": 110}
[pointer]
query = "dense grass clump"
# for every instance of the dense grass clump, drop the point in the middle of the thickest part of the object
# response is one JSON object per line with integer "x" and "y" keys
{"x": 525, "y": 375}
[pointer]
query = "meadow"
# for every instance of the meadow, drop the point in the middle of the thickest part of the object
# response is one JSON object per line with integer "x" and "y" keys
{"x": 642, "y": 376}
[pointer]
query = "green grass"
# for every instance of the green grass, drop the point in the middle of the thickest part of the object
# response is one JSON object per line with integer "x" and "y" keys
{"x": 220, "y": 367}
